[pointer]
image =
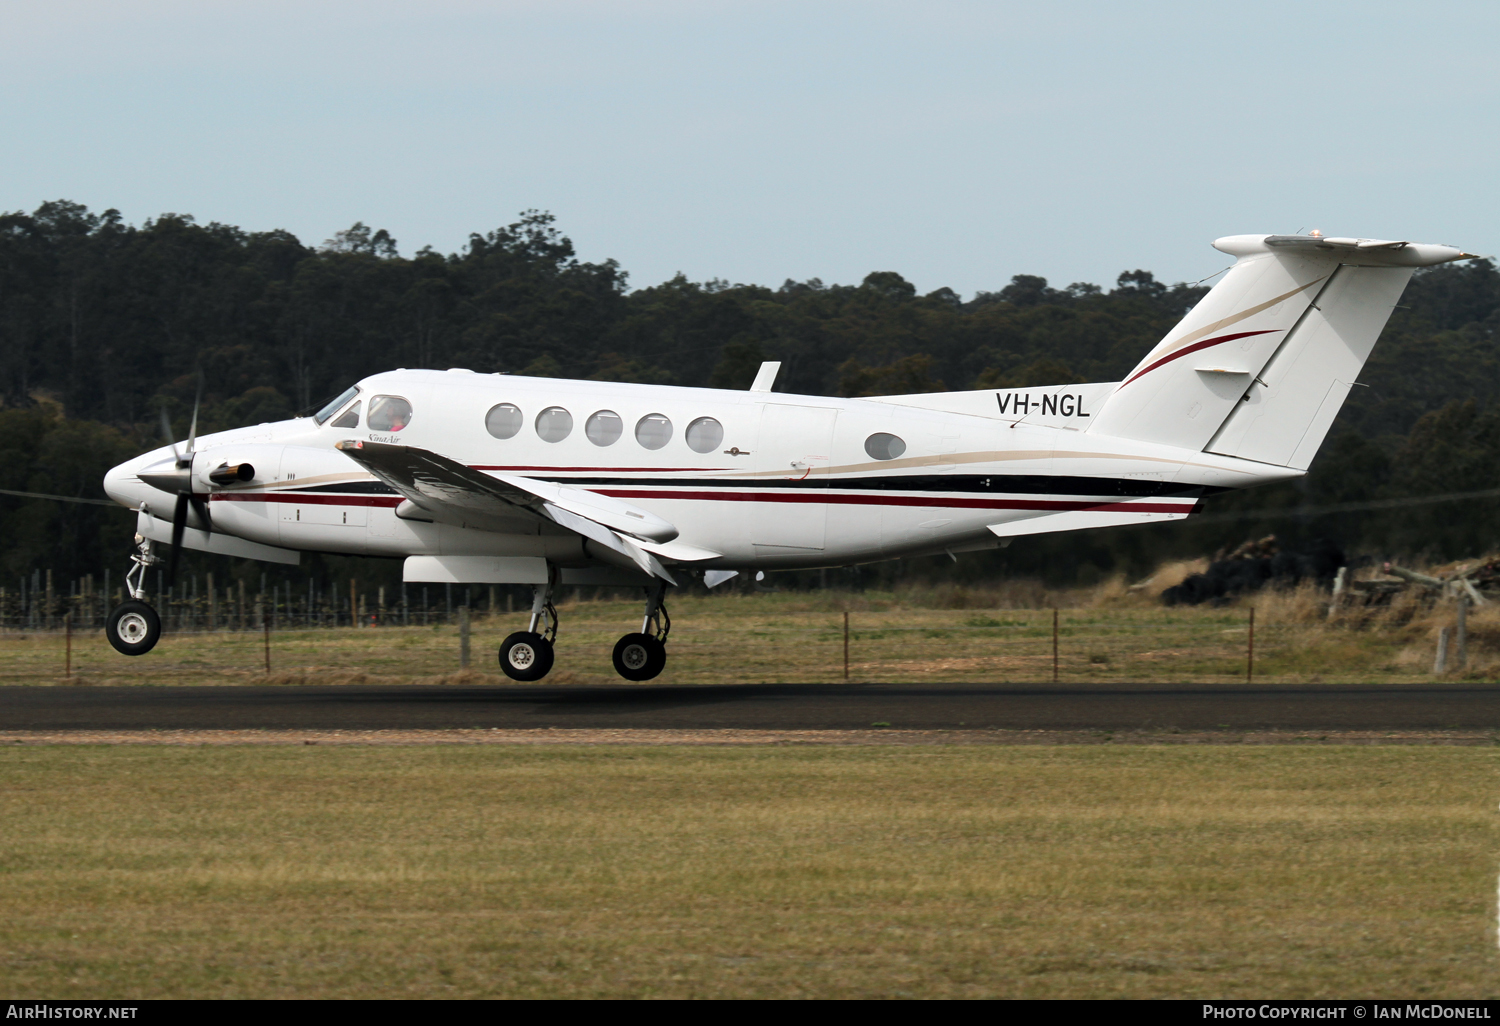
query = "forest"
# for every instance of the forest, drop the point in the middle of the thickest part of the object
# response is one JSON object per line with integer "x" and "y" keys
{"x": 103, "y": 324}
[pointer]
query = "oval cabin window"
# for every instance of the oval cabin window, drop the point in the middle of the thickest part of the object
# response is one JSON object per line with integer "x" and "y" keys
{"x": 554, "y": 424}
{"x": 882, "y": 446}
{"x": 503, "y": 421}
{"x": 604, "y": 427}
{"x": 388, "y": 413}
{"x": 705, "y": 434}
{"x": 653, "y": 430}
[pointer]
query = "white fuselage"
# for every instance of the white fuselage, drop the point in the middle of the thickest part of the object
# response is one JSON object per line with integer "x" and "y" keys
{"x": 791, "y": 482}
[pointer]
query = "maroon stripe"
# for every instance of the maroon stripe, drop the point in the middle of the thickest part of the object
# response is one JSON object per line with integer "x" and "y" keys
{"x": 388, "y": 501}
{"x": 1197, "y": 346}
{"x": 1055, "y": 505}
{"x": 913, "y": 500}
{"x": 619, "y": 470}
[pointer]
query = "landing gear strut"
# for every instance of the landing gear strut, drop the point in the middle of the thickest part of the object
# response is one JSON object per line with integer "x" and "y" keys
{"x": 527, "y": 655}
{"x": 642, "y": 656}
{"x": 133, "y": 627}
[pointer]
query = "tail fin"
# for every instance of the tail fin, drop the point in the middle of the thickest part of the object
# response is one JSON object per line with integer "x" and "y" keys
{"x": 1260, "y": 367}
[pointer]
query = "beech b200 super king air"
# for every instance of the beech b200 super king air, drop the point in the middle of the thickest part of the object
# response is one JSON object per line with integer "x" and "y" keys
{"x": 498, "y": 479}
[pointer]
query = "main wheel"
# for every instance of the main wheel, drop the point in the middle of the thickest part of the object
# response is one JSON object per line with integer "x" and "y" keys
{"x": 526, "y": 656}
{"x": 133, "y": 628}
{"x": 639, "y": 657}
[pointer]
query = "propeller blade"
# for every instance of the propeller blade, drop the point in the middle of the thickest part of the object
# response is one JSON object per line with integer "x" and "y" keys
{"x": 166, "y": 433}
{"x": 201, "y": 508}
{"x": 179, "y": 521}
{"x": 193, "y": 430}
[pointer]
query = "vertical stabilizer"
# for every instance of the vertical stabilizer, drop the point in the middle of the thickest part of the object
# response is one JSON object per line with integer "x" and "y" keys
{"x": 1260, "y": 367}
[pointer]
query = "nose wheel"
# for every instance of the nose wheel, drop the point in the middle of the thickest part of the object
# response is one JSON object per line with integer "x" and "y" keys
{"x": 133, "y": 628}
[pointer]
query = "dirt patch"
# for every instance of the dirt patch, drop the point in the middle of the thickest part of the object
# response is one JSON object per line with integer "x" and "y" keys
{"x": 551, "y": 736}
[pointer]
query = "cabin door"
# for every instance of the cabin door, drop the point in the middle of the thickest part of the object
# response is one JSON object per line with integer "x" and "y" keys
{"x": 794, "y": 443}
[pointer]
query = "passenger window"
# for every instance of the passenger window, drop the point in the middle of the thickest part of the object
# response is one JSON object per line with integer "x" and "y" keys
{"x": 604, "y": 428}
{"x": 503, "y": 421}
{"x": 882, "y": 446}
{"x": 653, "y": 430}
{"x": 388, "y": 413}
{"x": 338, "y": 404}
{"x": 704, "y": 434}
{"x": 554, "y": 424}
{"x": 349, "y": 418}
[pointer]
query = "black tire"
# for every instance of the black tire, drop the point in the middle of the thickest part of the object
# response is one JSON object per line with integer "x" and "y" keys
{"x": 133, "y": 628}
{"x": 639, "y": 657}
{"x": 526, "y": 656}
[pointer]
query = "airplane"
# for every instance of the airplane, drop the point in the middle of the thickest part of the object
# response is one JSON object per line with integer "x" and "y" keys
{"x": 502, "y": 479}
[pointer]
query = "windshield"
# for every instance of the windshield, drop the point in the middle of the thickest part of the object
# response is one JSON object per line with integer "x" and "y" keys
{"x": 336, "y": 405}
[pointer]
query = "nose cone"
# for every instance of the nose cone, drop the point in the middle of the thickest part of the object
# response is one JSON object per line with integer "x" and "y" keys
{"x": 123, "y": 486}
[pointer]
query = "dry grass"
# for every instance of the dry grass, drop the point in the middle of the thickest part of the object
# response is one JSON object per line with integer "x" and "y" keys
{"x": 1110, "y": 633}
{"x": 1294, "y": 872}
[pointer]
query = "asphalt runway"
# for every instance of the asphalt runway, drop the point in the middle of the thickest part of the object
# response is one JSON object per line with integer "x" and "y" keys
{"x": 756, "y": 707}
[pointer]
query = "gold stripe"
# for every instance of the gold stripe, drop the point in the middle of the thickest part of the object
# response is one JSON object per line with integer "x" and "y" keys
{"x": 1204, "y": 332}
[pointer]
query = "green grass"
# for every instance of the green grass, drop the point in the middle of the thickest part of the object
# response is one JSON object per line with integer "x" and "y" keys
{"x": 782, "y": 638}
{"x": 1295, "y": 872}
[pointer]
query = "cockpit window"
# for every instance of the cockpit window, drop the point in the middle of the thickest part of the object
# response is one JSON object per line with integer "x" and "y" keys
{"x": 388, "y": 413}
{"x": 336, "y": 405}
{"x": 349, "y": 418}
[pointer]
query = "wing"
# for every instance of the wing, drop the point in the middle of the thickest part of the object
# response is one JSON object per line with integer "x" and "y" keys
{"x": 453, "y": 492}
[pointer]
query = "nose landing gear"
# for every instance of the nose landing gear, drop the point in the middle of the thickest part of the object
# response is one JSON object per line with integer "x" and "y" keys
{"x": 643, "y": 656}
{"x": 133, "y": 627}
{"x": 527, "y": 655}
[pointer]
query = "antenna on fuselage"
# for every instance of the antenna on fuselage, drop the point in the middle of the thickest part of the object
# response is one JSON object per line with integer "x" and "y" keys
{"x": 766, "y": 376}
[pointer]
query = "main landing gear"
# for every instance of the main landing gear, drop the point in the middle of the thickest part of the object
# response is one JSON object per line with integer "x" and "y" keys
{"x": 528, "y": 655}
{"x": 133, "y": 628}
{"x": 642, "y": 656}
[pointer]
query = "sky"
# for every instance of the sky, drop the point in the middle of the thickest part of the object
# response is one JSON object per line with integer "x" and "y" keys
{"x": 955, "y": 142}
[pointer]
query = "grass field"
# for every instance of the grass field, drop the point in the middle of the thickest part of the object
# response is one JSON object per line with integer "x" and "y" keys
{"x": 799, "y": 638}
{"x": 708, "y": 872}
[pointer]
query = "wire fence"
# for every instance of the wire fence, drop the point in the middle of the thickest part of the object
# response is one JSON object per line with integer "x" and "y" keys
{"x": 36, "y": 605}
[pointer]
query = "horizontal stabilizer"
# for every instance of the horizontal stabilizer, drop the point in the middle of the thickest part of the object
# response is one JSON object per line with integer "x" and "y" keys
{"x": 1078, "y": 520}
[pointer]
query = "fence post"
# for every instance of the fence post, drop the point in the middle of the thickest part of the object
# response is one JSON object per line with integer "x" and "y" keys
{"x": 68, "y": 644}
{"x": 1461, "y": 634}
{"x": 1440, "y": 663}
{"x": 846, "y": 644}
{"x": 1250, "y": 649}
{"x": 1054, "y": 647}
{"x": 463, "y": 637}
